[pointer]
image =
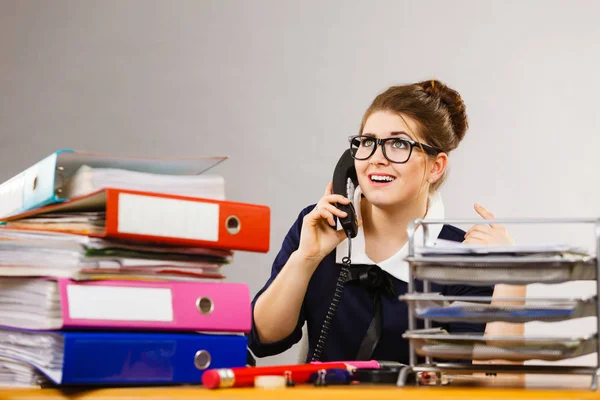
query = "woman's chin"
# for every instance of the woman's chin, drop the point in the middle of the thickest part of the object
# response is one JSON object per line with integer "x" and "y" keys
{"x": 385, "y": 200}
{"x": 380, "y": 201}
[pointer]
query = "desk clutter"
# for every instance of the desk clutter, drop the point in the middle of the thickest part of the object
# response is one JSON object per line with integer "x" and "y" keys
{"x": 112, "y": 271}
{"x": 314, "y": 373}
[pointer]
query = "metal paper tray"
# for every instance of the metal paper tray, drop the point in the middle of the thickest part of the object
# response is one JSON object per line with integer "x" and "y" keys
{"x": 512, "y": 348}
{"x": 436, "y": 307}
{"x": 483, "y": 271}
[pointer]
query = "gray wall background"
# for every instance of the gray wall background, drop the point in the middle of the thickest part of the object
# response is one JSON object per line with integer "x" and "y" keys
{"x": 278, "y": 86}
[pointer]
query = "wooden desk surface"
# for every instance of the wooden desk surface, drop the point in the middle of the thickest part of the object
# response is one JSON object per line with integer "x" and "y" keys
{"x": 303, "y": 393}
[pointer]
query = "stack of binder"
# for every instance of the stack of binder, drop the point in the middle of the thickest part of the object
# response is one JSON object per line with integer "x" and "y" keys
{"x": 111, "y": 271}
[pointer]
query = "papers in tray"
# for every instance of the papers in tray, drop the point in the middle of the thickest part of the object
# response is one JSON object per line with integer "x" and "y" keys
{"x": 441, "y": 308}
{"x": 438, "y": 343}
{"x": 457, "y": 263}
{"x": 444, "y": 247}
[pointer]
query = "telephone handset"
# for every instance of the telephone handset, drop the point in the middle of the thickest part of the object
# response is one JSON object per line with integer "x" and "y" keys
{"x": 344, "y": 183}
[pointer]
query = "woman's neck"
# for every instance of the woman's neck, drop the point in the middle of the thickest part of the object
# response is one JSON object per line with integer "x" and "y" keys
{"x": 388, "y": 225}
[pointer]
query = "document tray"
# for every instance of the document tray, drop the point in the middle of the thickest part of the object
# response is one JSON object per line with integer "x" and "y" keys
{"x": 468, "y": 346}
{"x": 436, "y": 307}
{"x": 475, "y": 271}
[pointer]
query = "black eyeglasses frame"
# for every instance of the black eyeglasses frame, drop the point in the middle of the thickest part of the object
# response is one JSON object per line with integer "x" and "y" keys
{"x": 432, "y": 151}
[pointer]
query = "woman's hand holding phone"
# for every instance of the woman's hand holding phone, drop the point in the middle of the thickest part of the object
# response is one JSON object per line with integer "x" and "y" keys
{"x": 317, "y": 238}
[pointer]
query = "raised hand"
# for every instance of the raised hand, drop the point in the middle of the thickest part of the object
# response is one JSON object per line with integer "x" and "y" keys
{"x": 487, "y": 234}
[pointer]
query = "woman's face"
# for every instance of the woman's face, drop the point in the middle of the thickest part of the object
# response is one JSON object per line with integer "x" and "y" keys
{"x": 385, "y": 183}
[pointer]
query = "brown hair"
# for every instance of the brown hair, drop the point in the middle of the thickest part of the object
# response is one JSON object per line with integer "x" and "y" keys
{"x": 439, "y": 111}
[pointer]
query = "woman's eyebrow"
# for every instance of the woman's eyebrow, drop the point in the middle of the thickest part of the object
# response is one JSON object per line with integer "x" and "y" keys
{"x": 392, "y": 134}
{"x": 398, "y": 133}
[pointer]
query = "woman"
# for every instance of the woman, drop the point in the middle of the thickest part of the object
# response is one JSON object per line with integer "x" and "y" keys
{"x": 401, "y": 157}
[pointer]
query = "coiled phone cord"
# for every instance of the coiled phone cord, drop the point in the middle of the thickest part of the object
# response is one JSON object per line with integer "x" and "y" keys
{"x": 337, "y": 296}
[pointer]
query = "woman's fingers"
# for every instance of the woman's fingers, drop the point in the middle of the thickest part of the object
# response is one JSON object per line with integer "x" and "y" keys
{"x": 484, "y": 236}
{"x": 327, "y": 211}
{"x": 334, "y": 210}
{"x": 485, "y": 214}
{"x": 491, "y": 234}
{"x": 480, "y": 228}
{"x": 323, "y": 213}
{"x": 325, "y": 208}
{"x": 481, "y": 210}
{"x": 333, "y": 198}
{"x": 472, "y": 240}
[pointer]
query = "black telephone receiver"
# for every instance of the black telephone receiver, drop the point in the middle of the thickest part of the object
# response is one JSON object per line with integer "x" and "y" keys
{"x": 344, "y": 182}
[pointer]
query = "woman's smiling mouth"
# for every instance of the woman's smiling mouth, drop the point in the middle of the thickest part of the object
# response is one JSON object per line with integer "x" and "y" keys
{"x": 378, "y": 179}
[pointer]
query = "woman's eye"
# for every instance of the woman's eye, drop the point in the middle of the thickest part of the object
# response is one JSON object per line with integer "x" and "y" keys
{"x": 399, "y": 144}
{"x": 367, "y": 142}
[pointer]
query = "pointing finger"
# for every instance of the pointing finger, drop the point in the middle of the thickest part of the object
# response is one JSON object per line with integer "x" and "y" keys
{"x": 485, "y": 214}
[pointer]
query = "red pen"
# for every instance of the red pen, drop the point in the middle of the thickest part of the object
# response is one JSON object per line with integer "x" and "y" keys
{"x": 244, "y": 376}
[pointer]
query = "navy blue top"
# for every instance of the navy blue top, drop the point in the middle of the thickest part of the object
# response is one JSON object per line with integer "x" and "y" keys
{"x": 356, "y": 308}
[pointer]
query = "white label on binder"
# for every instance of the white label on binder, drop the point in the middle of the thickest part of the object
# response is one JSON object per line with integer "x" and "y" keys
{"x": 11, "y": 195}
{"x": 117, "y": 303}
{"x": 159, "y": 216}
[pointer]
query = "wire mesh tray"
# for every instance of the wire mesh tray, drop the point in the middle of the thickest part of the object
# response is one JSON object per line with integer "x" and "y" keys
{"x": 436, "y": 307}
{"x": 437, "y": 343}
{"x": 480, "y": 271}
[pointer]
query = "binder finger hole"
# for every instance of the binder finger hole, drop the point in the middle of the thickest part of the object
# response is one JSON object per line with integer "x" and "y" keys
{"x": 205, "y": 305}
{"x": 233, "y": 224}
{"x": 202, "y": 359}
{"x": 35, "y": 182}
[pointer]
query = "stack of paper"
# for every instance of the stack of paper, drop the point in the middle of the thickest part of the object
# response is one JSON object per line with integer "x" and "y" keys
{"x": 88, "y": 180}
{"x": 19, "y": 374}
{"x": 31, "y": 253}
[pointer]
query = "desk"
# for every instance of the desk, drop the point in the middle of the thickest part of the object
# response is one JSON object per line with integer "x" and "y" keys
{"x": 302, "y": 393}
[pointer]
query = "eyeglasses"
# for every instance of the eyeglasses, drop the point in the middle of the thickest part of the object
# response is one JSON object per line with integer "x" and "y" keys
{"x": 396, "y": 150}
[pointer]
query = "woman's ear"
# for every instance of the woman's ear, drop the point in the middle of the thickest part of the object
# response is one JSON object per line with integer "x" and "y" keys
{"x": 438, "y": 167}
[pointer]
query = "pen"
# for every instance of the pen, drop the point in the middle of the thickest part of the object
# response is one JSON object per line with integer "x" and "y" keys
{"x": 355, "y": 364}
{"x": 244, "y": 376}
{"x": 373, "y": 364}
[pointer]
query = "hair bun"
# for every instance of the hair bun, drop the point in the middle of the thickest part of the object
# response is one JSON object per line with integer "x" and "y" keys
{"x": 452, "y": 100}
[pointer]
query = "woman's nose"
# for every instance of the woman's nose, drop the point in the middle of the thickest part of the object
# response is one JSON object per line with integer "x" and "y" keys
{"x": 378, "y": 157}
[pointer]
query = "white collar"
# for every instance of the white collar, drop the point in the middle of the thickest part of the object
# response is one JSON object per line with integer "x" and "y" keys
{"x": 395, "y": 265}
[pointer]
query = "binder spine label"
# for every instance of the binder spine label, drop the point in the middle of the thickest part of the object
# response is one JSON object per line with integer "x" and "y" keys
{"x": 167, "y": 217}
{"x": 115, "y": 303}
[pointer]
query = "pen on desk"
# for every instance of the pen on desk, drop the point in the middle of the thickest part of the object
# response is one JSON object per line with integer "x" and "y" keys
{"x": 355, "y": 364}
{"x": 244, "y": 376}
{"x": 372, "y": 364}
